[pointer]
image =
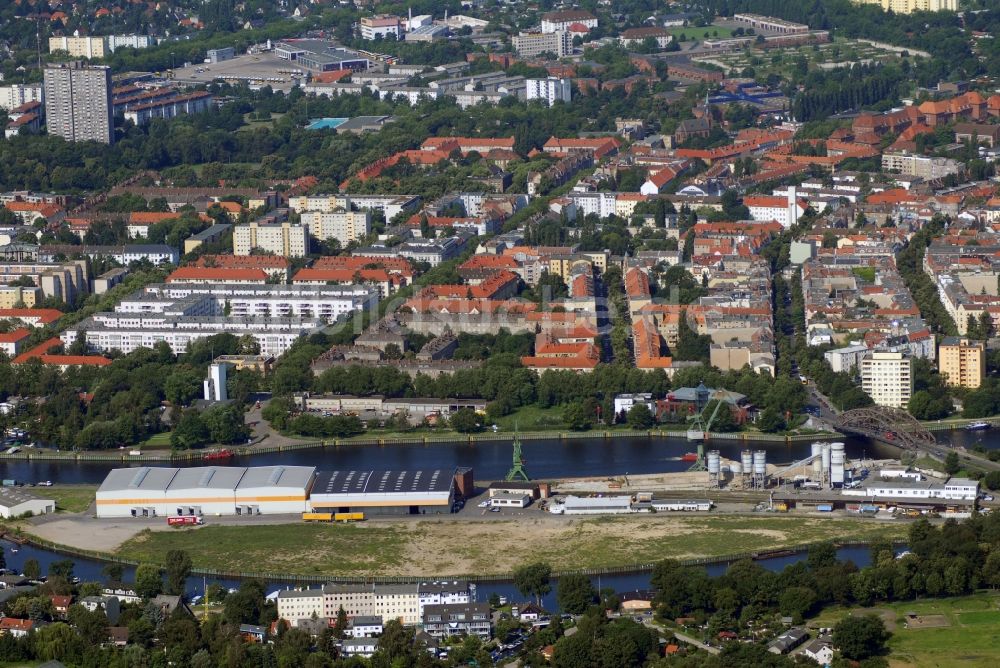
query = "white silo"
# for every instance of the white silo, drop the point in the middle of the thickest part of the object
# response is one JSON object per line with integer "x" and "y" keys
{"x": 760, "y": 468}
{"x": 746, "y": 461}
{"x": 826, "y": 462}
{"x": 714, "y": 462}
{"x": 837, "y": 457}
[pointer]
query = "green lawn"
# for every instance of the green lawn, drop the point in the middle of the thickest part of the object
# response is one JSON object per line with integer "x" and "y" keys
{"x": 455, "y": 548}
{"x": 69, "y": 498}
{"x": 690, "y": 33}
{"x": 971, "y": 639}
{"x": 157, "y": 442}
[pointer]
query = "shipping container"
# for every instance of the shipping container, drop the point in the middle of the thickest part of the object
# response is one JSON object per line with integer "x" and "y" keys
{"x": 349, "y": 517}
{"x": 317, "y": 517}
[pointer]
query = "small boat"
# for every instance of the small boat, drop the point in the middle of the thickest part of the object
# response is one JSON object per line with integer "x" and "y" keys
{"x": 218, "y": 454}
{"x": 977, "y": 426}
{"x": 689, "y": 457}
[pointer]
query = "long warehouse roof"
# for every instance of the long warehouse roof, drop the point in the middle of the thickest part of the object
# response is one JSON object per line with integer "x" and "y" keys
{"x": 163, "y": 479}
{"x": 382, "y": 482}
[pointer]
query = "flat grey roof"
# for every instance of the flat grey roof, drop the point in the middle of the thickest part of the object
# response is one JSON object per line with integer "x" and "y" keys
{"x": 155, "y": 478}
{"x": 383, "y": 482}
{"x": 12, "y": 496}
{"x": 277, "y": 476}
{"x": 208, "y": 477}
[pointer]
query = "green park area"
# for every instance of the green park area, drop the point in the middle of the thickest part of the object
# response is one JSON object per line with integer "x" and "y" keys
{"x": 450, "y": 547}
{"x": 941, "y": 632}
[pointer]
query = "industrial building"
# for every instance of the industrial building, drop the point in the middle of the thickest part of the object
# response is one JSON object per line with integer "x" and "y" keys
{"x": 416, "y": 492}
{"x": 15, "y": 502}
{"x": 205, "y": 490}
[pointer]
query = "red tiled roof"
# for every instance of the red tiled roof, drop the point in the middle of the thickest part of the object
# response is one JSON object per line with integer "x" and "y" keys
{"x": 220, "y": 274}
{"x": 15, "y": 336}
{"x": 45, "y": 316}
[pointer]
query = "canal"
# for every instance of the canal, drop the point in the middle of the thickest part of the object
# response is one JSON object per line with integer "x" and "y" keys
{"x": 90, "y": 570}
{"x": 490, "y": 460}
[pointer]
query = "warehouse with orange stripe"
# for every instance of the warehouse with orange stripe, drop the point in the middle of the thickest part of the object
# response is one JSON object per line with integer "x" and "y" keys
{"x": 147, "y": 491}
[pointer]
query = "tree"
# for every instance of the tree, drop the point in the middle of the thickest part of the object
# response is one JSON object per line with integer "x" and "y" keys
{"x": 579, "y": 416}
{"x": 465, "y": 421}
{"x": 533, "y": 580}
{"x": 340, "y": 626}
{"x": 32, "y": 569}
{"x": 951, "y": 463}
{"x": 796, "y": 602}
{"x": 575, "y": 593}
{"x": 860, "y": 637}
{"x": 190, "y": 432}
{"x": 770, "y": 420}
{"x": 178, "y": 567}
{"x": 640, "y": 417}
{"x": 226, "y": 424}
{"x": 148, "y": 582}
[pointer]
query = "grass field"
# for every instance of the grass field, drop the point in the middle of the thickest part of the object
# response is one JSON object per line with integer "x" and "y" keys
{"x": 70, "y": 498}
{"x": 972, "y": 637}
{"x": 448, "y": 548}
{"x": 690, "y": 33}
{"x": 156, "y": 442}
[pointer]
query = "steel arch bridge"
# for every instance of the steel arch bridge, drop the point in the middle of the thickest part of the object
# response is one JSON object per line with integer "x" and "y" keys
{"x": 889, "y": 425}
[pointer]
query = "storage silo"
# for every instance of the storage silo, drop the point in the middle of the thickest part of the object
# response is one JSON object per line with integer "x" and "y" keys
{"x": 837, "y": 458}
{"x": 714, "y": 462}
{"x": 760, "y": 468}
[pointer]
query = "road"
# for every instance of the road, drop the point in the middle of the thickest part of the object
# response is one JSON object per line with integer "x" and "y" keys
{"x": 683, "y": 637}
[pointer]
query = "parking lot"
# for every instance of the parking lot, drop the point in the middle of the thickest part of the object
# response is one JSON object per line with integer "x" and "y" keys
{"x": 257, "y": 70}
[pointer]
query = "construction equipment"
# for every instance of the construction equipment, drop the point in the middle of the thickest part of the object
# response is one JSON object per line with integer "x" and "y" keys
{"x": 700, "y": 426}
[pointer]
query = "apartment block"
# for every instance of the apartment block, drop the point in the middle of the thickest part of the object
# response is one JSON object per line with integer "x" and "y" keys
{"x": 344, "y": 226}
{"x": 911, "y": 6}
{"x": 17, "y": 94}
{"x": 962, "y": 362}
{"x": 284, "y": 239}
{"x": 80, "y": 46}
{"x": 551, "y": 90}
{"x": 887, "y": 377}
{"x": 380, "y": 27}
{"x": 78, "y": 102}
{"x": 532, "y": 44}
{"x": 404, "y": 602}
{"x": 909, "y": 164}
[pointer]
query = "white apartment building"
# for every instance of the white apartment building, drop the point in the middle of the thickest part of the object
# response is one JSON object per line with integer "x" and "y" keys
{"x": 275, "y": 315}
{"x": 532, "y": 44}
{"x": 550, "y": 89}
{"x": 389, "y": 205}
{"x": 284, "y": 239}
{"x": 17, "y": 94}
{"x": 404, "y": 602}
{"x": 887, "y": 378}
{"x": 554, "y": 21}
{"x": 344, "y": 226}
{"x": 842, "y": 360}
{"x": 601, "y": 204}
{"x": 80, "y": 47}
{"x": 925, "y": 167}
{"x": 130, "y": 42}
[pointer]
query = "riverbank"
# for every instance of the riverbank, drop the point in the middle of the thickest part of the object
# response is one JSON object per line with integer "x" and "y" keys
{"x": 757, "y": 439}
{"x": 401, "y": 550}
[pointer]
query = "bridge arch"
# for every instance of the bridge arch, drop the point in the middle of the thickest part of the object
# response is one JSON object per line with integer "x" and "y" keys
{"x": 890, "y": 425}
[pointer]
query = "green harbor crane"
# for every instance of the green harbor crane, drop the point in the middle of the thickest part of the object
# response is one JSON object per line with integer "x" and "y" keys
{"x": 517, "y": 470}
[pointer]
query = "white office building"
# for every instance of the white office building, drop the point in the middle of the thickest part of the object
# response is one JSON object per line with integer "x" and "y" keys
{"x": 887, "y": 377}
{"x": 130, "y": 42}
{"x": 550, "y": 89}
{"x": 344, "y": 226}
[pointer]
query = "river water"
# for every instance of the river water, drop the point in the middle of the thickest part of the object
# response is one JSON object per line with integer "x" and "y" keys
{"x": 89, "y": 570}
{"x": 490, "y": 460}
